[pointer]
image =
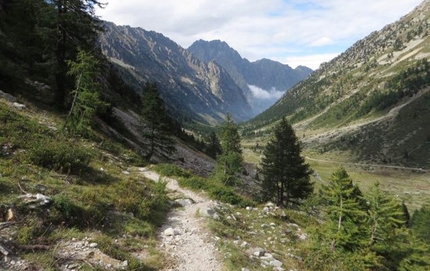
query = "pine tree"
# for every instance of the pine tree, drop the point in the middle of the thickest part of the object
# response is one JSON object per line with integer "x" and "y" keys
{"x": 229, "y": 162}
{"x": 213, "y": 145}
{"x": 86, "y": 99}
{"x": 76, "y": 27}
{"x": 156, "y": 122}
{"x": 285, "y": 173}
{"x": 384, "y": 215}
{"x": 345, "y": 214}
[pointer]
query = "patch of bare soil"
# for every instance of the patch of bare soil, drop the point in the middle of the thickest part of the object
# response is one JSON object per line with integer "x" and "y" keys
{"x": 184, "y": 238}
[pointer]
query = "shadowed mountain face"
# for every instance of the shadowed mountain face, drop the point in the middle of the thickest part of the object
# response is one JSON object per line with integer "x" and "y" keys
{"x": 263, "y": 81}
{"x": 373, "y": 100}
{"x": 192, "y": 89}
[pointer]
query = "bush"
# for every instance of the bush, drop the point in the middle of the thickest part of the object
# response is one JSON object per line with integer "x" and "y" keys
{"x": 59, "y": 156}
{"x": 195, "y": 183}
{"x": 170, "y": 170}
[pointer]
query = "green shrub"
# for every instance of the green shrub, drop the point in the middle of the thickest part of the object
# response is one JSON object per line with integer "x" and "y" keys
{"x": 195, "y": 183}
{"x": 60, "y": 156}
{"x": 170, "y": 170}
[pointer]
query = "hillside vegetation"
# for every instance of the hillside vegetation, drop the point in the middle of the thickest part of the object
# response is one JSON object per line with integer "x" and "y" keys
{"x": 372, "y": 100}
{"x": 76, "y": 142}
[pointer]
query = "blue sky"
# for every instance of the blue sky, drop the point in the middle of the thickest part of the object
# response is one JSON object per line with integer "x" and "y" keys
{"x": 293, "y": 32}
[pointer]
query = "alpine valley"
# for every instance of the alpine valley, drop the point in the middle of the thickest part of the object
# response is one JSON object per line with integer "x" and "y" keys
{"x": 202, "y": 83}
{"x": 121, "y": 150}
{"x": 372, "y": 102}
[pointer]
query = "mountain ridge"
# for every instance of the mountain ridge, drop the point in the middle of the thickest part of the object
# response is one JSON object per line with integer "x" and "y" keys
{"x": 196, "y": 90}
{"x": 267, "y": 75}
{"x": 386, "y": 70}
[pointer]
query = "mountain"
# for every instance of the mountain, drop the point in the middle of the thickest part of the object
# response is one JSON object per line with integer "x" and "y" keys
{"x": 263, "y": 81}
{"x": 192, "y": 89}
{"x": 372, "y": 101}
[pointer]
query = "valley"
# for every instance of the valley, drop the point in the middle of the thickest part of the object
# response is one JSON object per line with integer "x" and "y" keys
{"x": 122, "y": 150}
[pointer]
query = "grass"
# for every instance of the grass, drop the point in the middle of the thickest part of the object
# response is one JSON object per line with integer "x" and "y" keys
{"x": 90, "y": 195}
{"x": 411, "y": 186}
{"x": 277, "y": 232}
{"x": 215, "y": 189}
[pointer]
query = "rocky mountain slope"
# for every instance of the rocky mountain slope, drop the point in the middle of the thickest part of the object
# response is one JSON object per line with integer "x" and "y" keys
{"x": 192, "y": 89}
{"x": 372, "y": 100}
{"x": 262, "y": 81}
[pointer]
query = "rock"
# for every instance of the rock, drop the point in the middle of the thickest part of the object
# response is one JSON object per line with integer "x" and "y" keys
{"x": 124, "y": 263}
{"x": 244, "y": 244}
{"x": 40, "y": 187}
{"x": 245, "y": 269}
{"x": 275, "y": 263}
{"x": 171, "y": 232}
{"x": 93, "y": 245}
{"x": 38, "y": 198}
{"x": 7, "y": 97}
{"x": 184, "y": 202}
{"x": 10, "y": 215}
{"x": 209, "y": 212}
{"x": 266, "y": 210}
{"x": 73, "y": 266}
{"x": 248, "y": 208}
{"x": 19, "y": 106}
{"x": 125, "y": 172}
{"x": 258, "y": 251}
{"x": 270, "y": 204}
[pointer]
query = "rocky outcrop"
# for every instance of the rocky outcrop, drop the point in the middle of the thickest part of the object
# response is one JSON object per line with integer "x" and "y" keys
{"x": 192, "y": 89}
{"x": 265, "y": 74}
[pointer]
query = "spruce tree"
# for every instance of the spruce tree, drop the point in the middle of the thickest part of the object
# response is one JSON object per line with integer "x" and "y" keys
{"x": 156, "y": 122}
{"x": 285, "y": 173}
{"x": 345, "y": 213}
{"x": 76, "y": 26}
{"x": 213, "y": 145}
{"x": 384, "y": 215}
{"x": 229, "y": 162}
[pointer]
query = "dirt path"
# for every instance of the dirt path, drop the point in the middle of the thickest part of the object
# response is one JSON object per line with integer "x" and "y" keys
{"x": 184, "y": 237}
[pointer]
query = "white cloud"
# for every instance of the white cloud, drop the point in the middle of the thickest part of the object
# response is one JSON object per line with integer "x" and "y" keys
{"x": 312, "y": 61}
{"x": 263, "y": 94}
{"x": 258, "y": 29}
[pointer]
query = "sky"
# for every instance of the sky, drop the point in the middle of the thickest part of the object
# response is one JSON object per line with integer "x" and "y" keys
{"x": 293, "y": 32}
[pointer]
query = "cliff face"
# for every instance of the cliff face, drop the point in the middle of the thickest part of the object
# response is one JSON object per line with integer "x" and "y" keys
{"x": 192, "y": 89}
{"x": 262, "y": 81}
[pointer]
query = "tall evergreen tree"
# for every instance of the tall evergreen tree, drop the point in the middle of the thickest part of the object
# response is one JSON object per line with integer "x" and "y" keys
{"x": 345, "y": 214}
{"x": 229, "y": 162}
{"x": 285, "y": 173}
{"x": 86, "y": 101}
{"x": 384, "y": 215}
{"x": 213, "y": 145}
{"x": 77, "y": 27}
{"x": 156, "y": 122}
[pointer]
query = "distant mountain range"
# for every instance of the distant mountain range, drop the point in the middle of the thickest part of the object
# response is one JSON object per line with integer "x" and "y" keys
{"x": 202, "y": 83}
{"x": 372, "y": 100}
{"x": 263, "y": 81}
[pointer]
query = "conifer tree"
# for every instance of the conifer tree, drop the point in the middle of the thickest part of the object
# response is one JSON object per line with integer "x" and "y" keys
{"x": 156, "y": 122}
{"x": 345, "y": 214}
{"x": 76, "y": 26}
{"x": 285, "y": 173}
{"x": 420, "y": 223}
{"x": 384, "y": 215}
{"x": 86, "y": 94}
{"x": 213, "y": 145}
{"x": 229, "y": 162}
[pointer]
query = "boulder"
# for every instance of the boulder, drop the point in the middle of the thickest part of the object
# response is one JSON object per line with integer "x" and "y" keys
{"x": 209, "y": 212}
{"x": 7, "y": 97}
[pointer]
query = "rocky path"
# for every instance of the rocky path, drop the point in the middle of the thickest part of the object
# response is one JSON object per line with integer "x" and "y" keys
{"x": 184, "y": 238}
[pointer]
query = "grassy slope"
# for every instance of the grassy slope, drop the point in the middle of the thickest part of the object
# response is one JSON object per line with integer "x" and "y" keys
{"x": 92, "y": 193}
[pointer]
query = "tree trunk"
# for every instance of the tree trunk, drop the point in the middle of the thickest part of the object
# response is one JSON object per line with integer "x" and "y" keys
{"x": 60, "y": 76}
